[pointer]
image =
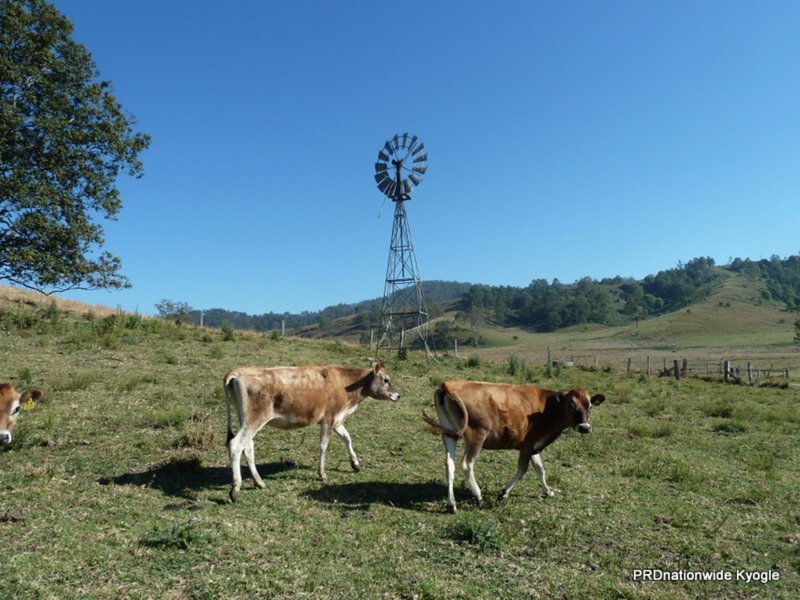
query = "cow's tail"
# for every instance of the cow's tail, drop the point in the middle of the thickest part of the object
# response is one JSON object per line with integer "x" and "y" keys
{"x": 452, "y": 415}
{"x": 231, "y": 382}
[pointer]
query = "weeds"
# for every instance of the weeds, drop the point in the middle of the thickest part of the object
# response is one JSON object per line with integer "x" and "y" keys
{"x": 485, "y": 534}
{"x": 178, "y": 536}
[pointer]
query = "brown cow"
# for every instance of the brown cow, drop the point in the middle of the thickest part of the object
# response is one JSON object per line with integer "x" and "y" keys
{"x": 292, "y": 397}
{"x": 11, "y": 401}
{"x": 499, "y": 416}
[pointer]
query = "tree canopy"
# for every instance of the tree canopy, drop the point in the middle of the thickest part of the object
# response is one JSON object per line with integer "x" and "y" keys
{"x": 64, "y": 139}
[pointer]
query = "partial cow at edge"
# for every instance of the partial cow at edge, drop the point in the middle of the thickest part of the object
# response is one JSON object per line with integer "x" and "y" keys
{"x": 499, "y": 416}
{"x": 293, "y": 397}
{"x": 11, "y": 402}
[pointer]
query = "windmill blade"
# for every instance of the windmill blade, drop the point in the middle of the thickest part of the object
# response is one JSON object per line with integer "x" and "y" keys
{"x": 383, "y": 157}
{"x": 412, "y": 142}
{"x": 405, "y": 139}
{"x": 417, "y": 149}
{"x": 420, "y": 169}
{"x": 415, "y": 179}
{"x": 422, "y": 158}
{"x": 381, "y": 166}
{"x": 380, "y": 177}
{"x": 406, "y": 186}
{"x": 396, "y": 141}
{"x": 388, "y": 148}
{"x": 384, "y": 184}
{"x": 391, "y": 189}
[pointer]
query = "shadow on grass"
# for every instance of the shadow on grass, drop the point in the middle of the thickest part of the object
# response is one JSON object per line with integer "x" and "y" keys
{"x": 184, "y": 478}
{"x": 360, "y": 496}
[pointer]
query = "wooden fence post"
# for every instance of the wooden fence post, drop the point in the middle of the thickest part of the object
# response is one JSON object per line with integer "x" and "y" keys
{"x": 749, "y": 372}
{"x": 648, "y": 365}
{"x": 677, "y": 370}
{"x": 726, "y": 369}
{"x": 628, "y": 368}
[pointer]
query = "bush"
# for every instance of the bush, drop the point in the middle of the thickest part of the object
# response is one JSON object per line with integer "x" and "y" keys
{"x": 227, "y": 332}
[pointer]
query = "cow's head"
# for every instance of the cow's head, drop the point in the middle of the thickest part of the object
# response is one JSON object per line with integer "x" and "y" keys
{"x": 577, "y": 404}
{"x": 11, "y": 402}
{"x": 380, "y": 385}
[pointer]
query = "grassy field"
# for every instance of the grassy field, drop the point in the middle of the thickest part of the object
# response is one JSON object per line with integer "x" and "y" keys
{"x": 121, "y": 476}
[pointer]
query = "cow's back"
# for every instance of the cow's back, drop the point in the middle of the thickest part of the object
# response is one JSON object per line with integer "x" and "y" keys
{"x": 292, "y": 397}
{"x": 505, "y": 412}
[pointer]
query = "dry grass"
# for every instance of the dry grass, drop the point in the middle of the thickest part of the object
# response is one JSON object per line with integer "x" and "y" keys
{"x": 39, "y": 300}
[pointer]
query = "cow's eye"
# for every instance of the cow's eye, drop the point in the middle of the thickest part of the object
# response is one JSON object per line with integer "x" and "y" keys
{"x": 15, "y": 411}
{"x": 386, "y": 381}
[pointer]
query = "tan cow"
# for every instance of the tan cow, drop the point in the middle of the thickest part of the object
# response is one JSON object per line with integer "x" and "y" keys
{"x": 11, "y": 401}
{"x": 499, "y": 416}
{"x": 293, "y": 397}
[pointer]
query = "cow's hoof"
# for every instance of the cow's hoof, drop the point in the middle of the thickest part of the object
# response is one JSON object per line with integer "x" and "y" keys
{"x": 451, "y": 508}
{"x": 261, "y": 485}
{"x": 356, "y": 467}
{"x": 234, "y": 494}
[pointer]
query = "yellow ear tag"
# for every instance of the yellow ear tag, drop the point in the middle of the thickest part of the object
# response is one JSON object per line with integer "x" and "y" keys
{"x": 29, "y": 405}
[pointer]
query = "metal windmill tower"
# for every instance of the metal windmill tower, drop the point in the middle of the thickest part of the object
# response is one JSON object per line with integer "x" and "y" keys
{"x": 401, "y": 164}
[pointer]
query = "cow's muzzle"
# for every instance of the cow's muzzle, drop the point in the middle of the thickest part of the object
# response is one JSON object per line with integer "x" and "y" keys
{"x": 5, "y": 438}
{"x": 394, "y": 397}
{"x": 583, "y": 428}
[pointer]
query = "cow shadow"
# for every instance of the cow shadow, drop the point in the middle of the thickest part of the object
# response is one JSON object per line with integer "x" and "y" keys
{"x": 361, "y": 496}
{"x": 184, "y": 480}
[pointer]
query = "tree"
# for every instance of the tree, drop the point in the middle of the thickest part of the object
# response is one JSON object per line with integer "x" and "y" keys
{"x": 176, "y": 311}
{"x": 63, "y": 141}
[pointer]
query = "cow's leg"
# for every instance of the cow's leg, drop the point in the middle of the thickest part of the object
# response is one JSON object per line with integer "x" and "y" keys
{"x": 324, "y": 437}
{"x": 345, "y": 435}
{"x": 537, "y": 464}
{"x": 522, "y": 468}
{"x": 468, "y": 465}
{"x": 238, "y": 443}
{"x": 450, "y": 469}
{"x": 249, "y": 452}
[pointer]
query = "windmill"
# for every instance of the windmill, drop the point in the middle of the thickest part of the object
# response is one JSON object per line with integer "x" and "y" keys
{"x": 400, "y": 165}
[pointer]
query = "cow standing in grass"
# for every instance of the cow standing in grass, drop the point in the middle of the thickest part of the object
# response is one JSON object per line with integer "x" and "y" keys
{"x": 503, "y": 416}
{"x": 293, "y": 397}
{"x": 11, "y": 402}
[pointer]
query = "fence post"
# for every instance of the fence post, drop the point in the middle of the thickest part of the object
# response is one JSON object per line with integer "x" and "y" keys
{"x": 685, "y": 368}
{"x": 648, "y": 365}
{"x": 628, "y": 368}
{"x": 726, "y": 369}
{"x": 677, "y": 370}
{"x": 549, "y": 363}
{"x": 749, "y": 372}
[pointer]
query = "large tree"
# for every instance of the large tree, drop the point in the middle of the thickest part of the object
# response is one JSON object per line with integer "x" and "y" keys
{"x": 63, "y": 142}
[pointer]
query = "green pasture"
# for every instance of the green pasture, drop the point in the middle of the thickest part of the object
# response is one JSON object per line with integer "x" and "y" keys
{"x": 122, "y": 481}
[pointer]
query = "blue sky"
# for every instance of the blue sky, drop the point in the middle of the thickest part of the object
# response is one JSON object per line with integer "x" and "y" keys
{"x": 565, "y": 139}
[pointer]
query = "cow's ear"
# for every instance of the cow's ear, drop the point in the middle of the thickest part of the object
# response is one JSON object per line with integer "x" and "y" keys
{"x": 30, "y": 399}
{"x": 376, "y": 367}
{"x": 598, "y": 399}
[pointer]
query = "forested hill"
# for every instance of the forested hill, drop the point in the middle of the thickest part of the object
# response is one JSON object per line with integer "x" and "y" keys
{"x": 547, "y": 306}
{"x": 435, "y": 293}
{"x": 544, "y": 306}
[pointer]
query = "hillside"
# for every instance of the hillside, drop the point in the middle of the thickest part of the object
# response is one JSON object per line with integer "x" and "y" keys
{"x": 732, "y": 323}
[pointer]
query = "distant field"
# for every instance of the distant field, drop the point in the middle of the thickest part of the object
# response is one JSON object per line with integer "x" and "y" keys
{"x": 730, "y": 324}
{"x": 122, "y": 478}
